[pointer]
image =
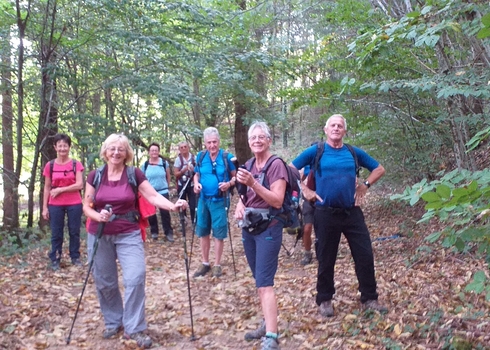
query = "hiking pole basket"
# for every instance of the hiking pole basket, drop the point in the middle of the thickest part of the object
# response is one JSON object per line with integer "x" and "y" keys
{"x": 100, "y": 231}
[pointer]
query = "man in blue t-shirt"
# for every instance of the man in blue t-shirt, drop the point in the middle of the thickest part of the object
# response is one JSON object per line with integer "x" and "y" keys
{"x": 213, "y": 179}
{"x": 337, "y": 211}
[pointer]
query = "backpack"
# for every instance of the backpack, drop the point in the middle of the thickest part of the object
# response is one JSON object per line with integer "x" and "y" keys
{"x": 290, "y": 212}
{"x": 51, "y": 168}
{"x": 225, "y": 161}
{"x": 164, "y": 165}
{"x": 192, "y": 161}
{"x": 320, "y": 147}
{"x": 143, "y": 207}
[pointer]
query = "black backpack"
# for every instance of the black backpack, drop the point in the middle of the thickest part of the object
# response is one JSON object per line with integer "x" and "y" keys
{"x": 129, "y": 172}
{"x": 290, "y": 212}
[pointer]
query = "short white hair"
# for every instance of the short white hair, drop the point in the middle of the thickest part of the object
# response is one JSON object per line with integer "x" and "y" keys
{"x": 336, "y": 116}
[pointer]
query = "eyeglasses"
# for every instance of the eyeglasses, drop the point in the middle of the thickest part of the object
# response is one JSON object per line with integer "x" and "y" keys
{"x": 260, "y": 137}
{"x": 118, "y": 149}
{"x": 214, "y": 167}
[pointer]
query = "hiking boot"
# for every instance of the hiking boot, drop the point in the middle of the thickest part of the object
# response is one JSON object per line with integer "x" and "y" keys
{"x": 76, "y": 262}
{"x": 204, "y": 269}
{"x": 307, "y": 257}
{"x": 170, "y": 237}
{"x": 154, "y": 237}
{"x": 270, "y": 344}
{"x": 142, "y": 340}
{"x": 326, "y": 308}
{"x": 217, "y": 271}
{"x": 256, "y": 334}
{"x": 110, "y": 332}
{"x": 55, "y": 265}
{"x": 374, "y": 305}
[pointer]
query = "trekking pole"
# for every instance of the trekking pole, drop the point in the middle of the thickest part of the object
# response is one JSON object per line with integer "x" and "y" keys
{"x": 227, "y": 204}
{"x": 181, "y": 193}
{"x": 100, "y": 231}
{"x": 187, "y": 268}
{"x": 193, "y": 234}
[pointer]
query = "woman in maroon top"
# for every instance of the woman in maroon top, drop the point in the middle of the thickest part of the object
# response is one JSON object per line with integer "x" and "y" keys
{"x": 121, "y": 240}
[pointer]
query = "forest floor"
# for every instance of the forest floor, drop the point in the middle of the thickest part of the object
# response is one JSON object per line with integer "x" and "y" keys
{"x": 422, "y": 284}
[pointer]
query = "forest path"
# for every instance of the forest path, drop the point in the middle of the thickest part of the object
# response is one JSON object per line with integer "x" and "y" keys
{"x": 422, "y": 284}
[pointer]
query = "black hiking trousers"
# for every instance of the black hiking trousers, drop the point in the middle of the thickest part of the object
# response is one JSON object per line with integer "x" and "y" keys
{"x": 329, "y": 225}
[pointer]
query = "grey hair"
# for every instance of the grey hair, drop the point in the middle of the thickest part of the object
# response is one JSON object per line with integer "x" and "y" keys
{"x": 336, "y": 116}
{"x": 261, "y": 125}
{"x": 182, "y": 143}
{"x": 210, "y": 132}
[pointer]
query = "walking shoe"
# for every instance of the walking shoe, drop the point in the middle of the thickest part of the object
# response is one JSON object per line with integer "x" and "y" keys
{"x": 110, "y": 332}
{"x": 204, "y": 269}
{"x": 55, "y": 265}
{"x": 308, "y": 256}
{"x": 270, "y": 344}
{"x": 142, "y": 340}
{"x": 154, "y": 237}
{"x": 217, "y": 272}
{"x": 256, "y": 334}
{"x": 326, "y": 308}
{"x": 170, "y": 237}
{"x": 374, "y": 305}
{"x": 76, "y": 262}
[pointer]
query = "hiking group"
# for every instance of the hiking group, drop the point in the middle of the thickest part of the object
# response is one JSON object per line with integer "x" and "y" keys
{"x": 268, "y": 191}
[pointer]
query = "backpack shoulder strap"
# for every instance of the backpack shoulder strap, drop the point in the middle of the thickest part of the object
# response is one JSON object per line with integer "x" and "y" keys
{"x": 130, "y": 172}
{"x": 227, "y": 166}
{"x": 98, "y": 178}
{"x": 74, "y": 162}
{"x": 320, "y": 147}
{"x": 145, "y": 166}
{"x": 201, "y": 156}
{"x": 181, "y": 160}
{"x": 354, "y": 155}
{"x": 266, "y": 167}
{"x": 51, "y": 167}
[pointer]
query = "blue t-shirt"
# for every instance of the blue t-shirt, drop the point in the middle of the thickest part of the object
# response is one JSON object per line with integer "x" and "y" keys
{"x": 157, "y": 175}
{"x": 212, "y": 173}
{"x": 337, "y": 183}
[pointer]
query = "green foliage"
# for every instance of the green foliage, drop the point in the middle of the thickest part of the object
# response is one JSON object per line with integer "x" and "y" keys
{"x": 460, "y": 199}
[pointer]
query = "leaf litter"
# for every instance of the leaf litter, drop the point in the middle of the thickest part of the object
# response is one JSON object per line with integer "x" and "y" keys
{"x": 424, "y": 290}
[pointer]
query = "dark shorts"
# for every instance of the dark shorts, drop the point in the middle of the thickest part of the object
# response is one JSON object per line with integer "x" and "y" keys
{"x": 308, "y": 212}
{"x": 262, "y": 252}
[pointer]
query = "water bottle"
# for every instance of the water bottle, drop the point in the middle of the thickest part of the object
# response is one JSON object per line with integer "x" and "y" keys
{"x": 295, "y": 198}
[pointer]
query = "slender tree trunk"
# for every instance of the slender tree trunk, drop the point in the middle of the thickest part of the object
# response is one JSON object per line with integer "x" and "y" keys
{"x": 10, "y": 198}
{"x": 48, "y": 119}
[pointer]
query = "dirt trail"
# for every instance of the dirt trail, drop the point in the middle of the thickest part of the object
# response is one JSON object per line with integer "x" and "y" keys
{"x": 423, "y": 288}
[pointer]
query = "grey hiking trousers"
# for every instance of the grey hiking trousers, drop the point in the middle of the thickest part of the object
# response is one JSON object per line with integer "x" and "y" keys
{"x": 128, "y": 248}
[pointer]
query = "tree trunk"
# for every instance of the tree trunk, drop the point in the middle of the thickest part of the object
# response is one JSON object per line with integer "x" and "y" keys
{"x": 241, "y": 138}
{"x": 10, "y": 197}
{"x": 48, "y": 119}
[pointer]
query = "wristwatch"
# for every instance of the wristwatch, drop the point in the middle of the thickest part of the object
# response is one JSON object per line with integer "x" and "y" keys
{"x": 367, "y": 183}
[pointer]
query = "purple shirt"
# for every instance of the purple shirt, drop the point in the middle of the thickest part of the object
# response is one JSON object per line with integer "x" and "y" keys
{"x": 121, "y": 196}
